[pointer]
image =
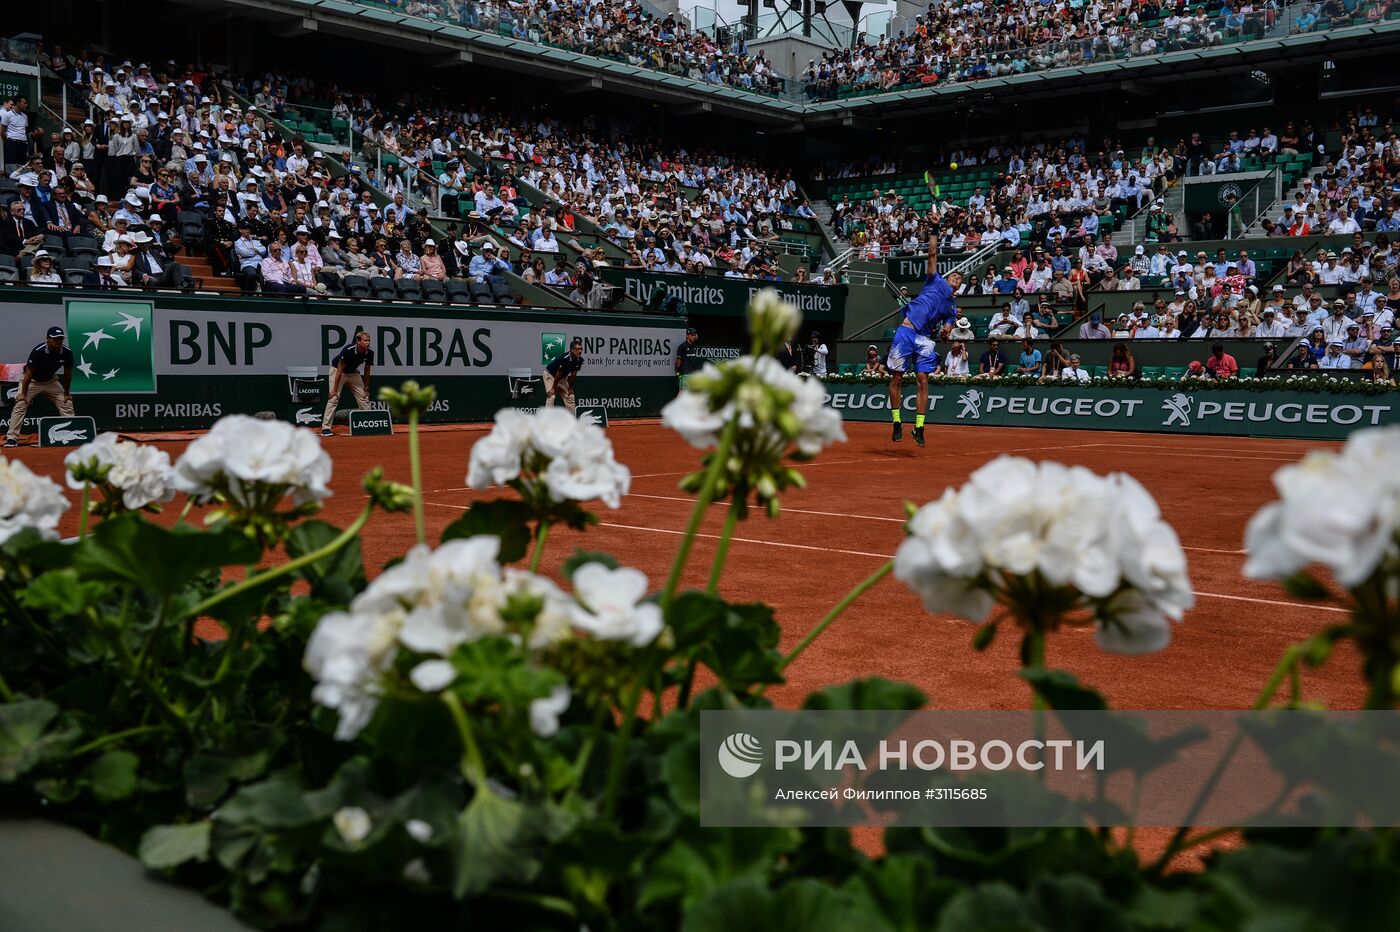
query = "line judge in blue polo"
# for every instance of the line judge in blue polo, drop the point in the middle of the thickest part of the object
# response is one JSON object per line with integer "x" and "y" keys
{"x": 41, "y": 378}
{"x": 345, "y": 373}
{"x": 560, "y": 375}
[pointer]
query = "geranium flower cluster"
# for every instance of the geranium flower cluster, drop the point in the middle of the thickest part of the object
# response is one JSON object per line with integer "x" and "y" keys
{"x": 1339, "y": 510}
{"x": 437, "y": 600}
{"x": 571, "y": 459}
{"x": 253, "y": 464}
{"x": 1055, "y": 538}
{"x": 131, "y": 476}
{"x": 28, "y": 501}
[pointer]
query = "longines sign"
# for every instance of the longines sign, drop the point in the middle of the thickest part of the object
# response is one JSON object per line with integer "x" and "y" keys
{"x": 1274, "y": 414}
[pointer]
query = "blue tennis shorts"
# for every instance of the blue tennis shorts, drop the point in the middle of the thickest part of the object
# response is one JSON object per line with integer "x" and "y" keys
{"x": 910, "y": 348}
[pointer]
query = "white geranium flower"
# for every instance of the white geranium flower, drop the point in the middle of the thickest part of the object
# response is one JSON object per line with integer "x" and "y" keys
{"x": 433, "y": 676}
{"x": 1103, "y": 538}
{"x": 142, "y": 473}
{"x": 610, "y": 604}
{"x": 419, "y": 830}
{"x": 1133, "y": 625}
{"x": 247, "y": 456}
{"x": 353, "y": 824}
{"x": 574, "y": 458}
{"x": 495, "y": 458}
{"x": 347, "y": 654}
{"x": 689, "y": 415}
{"x": 1340, "y": 510}
{"x": 545, "y": 711}
{"x": 452, "y": 593}
{"x": 554, "y": 623}
{"x": 416, "y": 871}
{"x": 28, "y": 500}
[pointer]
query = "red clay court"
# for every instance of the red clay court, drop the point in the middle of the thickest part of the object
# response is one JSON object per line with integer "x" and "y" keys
{"x": 849, "y": 520}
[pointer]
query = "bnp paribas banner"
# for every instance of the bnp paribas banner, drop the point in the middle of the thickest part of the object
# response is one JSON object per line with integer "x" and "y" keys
{"x": 1282, "y": 413}
{"x": 143, "y": 363}
{"x": 715, "y": 295}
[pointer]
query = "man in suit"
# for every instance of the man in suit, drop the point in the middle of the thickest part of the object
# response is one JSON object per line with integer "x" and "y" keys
{"x": 154, "y": 268}
{"x": 18, "y": 236}
{"x": 65, "y": 219}
{"x": 101, "y": 277}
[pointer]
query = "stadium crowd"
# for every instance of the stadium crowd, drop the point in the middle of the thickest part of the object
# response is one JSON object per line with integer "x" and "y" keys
{"x": 624, "y": 31}
{"x": 177, "y": 145}
{"x": 1047, "y": 193}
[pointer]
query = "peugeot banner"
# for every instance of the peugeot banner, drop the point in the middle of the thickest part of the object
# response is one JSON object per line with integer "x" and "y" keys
{"x": 1167, "y": 409}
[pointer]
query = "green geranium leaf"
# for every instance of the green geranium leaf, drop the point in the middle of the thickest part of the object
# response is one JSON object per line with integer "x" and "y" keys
{"x": 495, "y": 670}
{"x": 31, "y": 732}
{"x": 336, "y": 578}
{"x": 1062, "y": 692}
{"x": 991, "y": 906}
{"x": 61, "y": 593}
{"x": 208, "y": 775}
{"x": 163, "y": 560}
{"x": 867, "y": 695}
{"x": 166, "y": 846}
{"x": 509, "y": 520}
{"x": 707, "y": 858}
{"x": 738, "y": 642}
{"x": 495, "y": 838}
{"x": 903, "y": 889}
{"x": 275, "y": 803}
{"x": 1073, "y": 901}
{"x": 113, "y": 775}
{"x": 581, "y": 557}
{"x": 748, "y": 905}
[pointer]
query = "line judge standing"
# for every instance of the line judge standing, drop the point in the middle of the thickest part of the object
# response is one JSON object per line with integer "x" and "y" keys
{"x": 41, "y": 378}
{"x": 560, "y": 375}
{"x": 345, "y": 373}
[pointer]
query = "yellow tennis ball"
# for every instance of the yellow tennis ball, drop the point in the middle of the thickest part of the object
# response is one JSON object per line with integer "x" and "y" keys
{"x": 953, "y": 166}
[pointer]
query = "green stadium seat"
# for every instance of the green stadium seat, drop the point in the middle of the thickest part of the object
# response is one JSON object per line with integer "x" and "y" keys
{"x": 1012, "y": 368}
{"x": 1176, "y": 372}
{"x": 1098, "y": 372}
{"x": 1152, "y": 372}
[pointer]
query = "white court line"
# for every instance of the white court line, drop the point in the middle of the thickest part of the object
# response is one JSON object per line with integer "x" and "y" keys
{"x": 842, "y": 514}
{"x": 873, "y": 459}
{"x": 887, "y": 556}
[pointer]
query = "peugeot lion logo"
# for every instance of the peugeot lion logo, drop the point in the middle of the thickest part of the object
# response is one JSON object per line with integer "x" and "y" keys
{"x": 740, "y": 755}
{"x": 1178, "y": 408}
{"x": 971, "y": 401}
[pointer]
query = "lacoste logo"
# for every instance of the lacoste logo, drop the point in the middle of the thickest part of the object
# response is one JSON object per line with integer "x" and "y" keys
{"x": 59, "y": 434}
{"x": 590, "y": 417}
{"x": 13, "y": 393}
{"x": 308, "y": 416}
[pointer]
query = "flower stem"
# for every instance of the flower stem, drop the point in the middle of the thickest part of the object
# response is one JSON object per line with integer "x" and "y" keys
{"x": 223, "y": 595}
{"x": 185, "y": 512}
{"x": 619, "y": 756}
{"x": 415, "y": 465}
{"x": 835, "y": 613}
{"x": 83, "y": 514}
{"x": 697, "y": 514}
{"x": 113, "y": 738}
{"x": 1288, "y": 662}
{"x": 473, "y": 767}
{"x": 541, "y": 536}
{"x": 722, "y": 554}
{"x": 5, "y": 692}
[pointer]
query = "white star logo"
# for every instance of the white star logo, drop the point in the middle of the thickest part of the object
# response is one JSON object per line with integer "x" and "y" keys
{"x": 130, "y": 322}
{"x": 110, "y": 375}
{"x": 95, "y": 338}
{"x": 85, "y": 368}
